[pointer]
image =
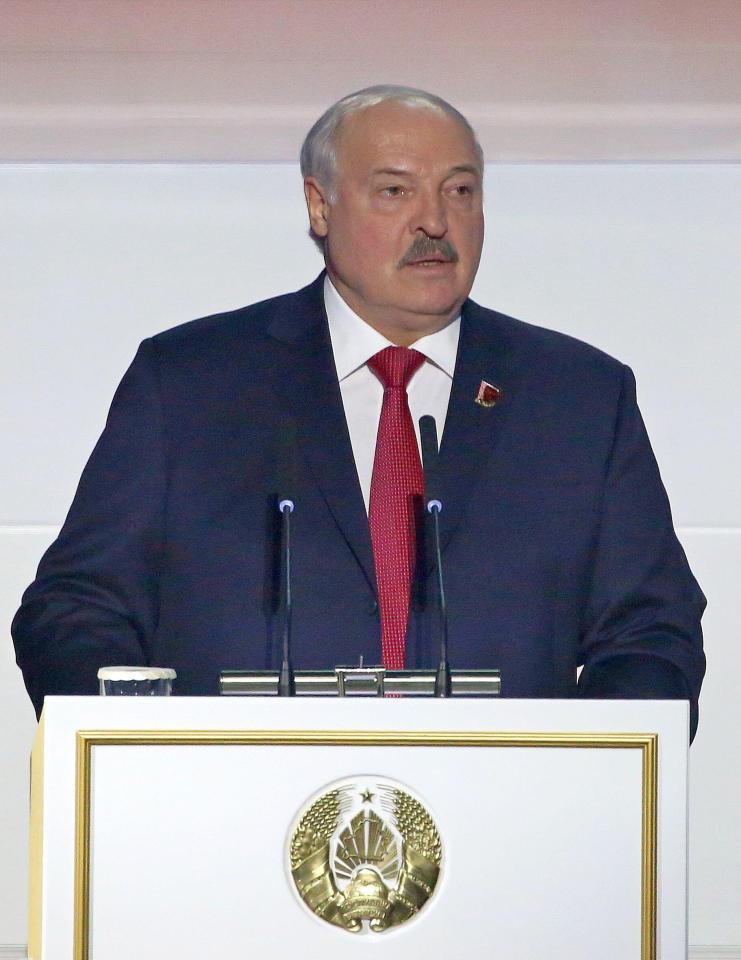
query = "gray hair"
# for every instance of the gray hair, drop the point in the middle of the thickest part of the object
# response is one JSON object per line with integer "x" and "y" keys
{"x": 318, "y": 153}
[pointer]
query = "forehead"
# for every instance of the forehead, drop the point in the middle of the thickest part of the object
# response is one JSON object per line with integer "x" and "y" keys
{"x": 392, "y": 134}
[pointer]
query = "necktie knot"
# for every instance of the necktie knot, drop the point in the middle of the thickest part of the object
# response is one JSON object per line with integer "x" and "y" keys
{"x": 394, "y": 366}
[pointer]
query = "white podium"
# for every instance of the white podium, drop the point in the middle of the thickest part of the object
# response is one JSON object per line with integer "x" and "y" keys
{"x": 520, "y": 829}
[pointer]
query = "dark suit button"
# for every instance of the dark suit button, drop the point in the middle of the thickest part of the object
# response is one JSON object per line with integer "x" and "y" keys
{"x": 373, "y": 607}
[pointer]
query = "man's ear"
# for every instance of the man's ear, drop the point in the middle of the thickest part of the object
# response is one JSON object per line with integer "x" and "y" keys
{"x": 317, "y": 203}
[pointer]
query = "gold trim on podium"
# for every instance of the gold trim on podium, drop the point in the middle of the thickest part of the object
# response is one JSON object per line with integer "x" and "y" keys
{"x": 87, "y": 740}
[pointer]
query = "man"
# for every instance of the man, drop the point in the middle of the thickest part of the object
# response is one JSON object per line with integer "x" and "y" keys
{"x": 557, "y": 536}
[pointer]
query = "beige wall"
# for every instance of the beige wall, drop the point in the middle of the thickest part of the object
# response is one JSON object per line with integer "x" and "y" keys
{"x": 542, "y": 80}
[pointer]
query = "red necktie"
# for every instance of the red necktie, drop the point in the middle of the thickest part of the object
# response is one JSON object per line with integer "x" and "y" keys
{"x": 396, "y": 486}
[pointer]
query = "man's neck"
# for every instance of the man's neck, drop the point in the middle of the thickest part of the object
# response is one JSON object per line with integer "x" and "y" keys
{"x": 402, "y": 328}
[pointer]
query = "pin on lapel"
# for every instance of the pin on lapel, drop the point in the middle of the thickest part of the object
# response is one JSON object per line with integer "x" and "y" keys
{"x": 488, "y": 395}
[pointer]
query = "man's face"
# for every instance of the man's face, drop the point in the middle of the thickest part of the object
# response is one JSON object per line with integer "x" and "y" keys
{"x": 404, "y": 230}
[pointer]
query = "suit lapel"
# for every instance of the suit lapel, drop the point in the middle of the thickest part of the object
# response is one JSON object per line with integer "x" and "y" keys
{"x": 306, "y": 380}
{"x": 485, "y": 352}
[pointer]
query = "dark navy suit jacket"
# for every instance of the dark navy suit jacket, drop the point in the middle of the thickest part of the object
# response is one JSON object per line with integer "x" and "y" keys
{"x": 558, "y": 543}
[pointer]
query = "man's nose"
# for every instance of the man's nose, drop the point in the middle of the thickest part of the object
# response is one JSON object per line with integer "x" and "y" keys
{"x": 430, "y": 215}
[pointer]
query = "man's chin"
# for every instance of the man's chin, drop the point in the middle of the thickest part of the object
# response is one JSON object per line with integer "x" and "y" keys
{"x": 418, "y": 322}
{"x": 434, "y": 304}
{"x": 430, "y": 291}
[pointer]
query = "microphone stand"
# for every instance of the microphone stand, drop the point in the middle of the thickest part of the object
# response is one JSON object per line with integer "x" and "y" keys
{"x": 363, "y": 681}
{"x": 286, "y": 680}
{"x": 442, "y": 677}
{"x": 428, "y": 438}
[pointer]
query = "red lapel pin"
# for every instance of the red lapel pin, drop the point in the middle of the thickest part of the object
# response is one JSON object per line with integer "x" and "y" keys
{"x": 488, "y": 395}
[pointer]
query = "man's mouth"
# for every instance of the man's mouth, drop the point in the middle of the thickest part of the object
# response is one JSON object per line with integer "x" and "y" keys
{"x": 428, "y": 254}
{"x": 429, "y": 263}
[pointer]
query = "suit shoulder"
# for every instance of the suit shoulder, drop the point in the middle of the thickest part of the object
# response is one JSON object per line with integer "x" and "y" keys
{"x": 549, "y": 345}
{"x": 219, "y": 330}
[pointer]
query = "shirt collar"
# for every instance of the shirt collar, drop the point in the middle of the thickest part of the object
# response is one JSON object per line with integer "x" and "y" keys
{"x": 354, "y": 341}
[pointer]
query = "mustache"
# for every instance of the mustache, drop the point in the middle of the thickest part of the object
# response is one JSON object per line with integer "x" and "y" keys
{"x": 425, "y": 248}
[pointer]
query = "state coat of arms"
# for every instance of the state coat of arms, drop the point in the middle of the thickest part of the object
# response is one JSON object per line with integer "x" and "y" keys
{"x": 365, "y": 855}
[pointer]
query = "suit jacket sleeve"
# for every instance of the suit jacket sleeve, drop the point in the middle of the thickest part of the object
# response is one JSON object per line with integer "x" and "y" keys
{"x": 94, "y": 601}
{"x": 641, "y": 635}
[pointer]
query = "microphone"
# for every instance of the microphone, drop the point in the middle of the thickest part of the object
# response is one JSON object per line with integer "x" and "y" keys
{"x": 286, "y": 480}
{"x": 349, "y": 681}
{"x": 433, "y": 506}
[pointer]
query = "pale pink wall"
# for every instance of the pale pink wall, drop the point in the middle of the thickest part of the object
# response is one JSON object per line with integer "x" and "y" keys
{"x": 241, "y": 79}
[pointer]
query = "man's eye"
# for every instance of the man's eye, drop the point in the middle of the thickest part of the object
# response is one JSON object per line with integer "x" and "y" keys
{"x": 462, "y": 189}
{"x": 395, "y": 190}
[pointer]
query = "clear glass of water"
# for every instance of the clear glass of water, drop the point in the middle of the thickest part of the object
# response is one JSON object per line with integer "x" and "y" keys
{"x": 136, "y": 681}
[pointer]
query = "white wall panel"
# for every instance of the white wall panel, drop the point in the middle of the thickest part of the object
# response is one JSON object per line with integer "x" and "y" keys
{"x": 643, "y": 262}
{"x": 19, "y": 556}
{"x": 715, "y": 770}
{"x": 95, "y": 258}
{"x": 640, "y": 260}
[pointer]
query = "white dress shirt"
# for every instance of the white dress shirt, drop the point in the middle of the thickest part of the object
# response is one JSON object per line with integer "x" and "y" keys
{"x": 354, "y": 342}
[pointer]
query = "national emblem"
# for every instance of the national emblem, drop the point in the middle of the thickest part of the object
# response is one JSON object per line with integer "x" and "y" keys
{"x": 365, "y": 855}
